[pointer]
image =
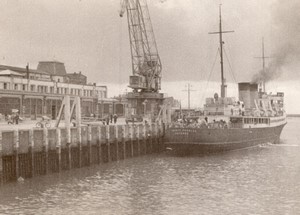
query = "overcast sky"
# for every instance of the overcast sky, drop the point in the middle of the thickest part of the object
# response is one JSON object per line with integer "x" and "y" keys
{"x": 89, "y": 36}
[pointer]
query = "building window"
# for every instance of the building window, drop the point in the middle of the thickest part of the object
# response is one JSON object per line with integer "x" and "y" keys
{"x": 16, "y": 87}
{"x": 51, "y": 89}
{"x": 5, "y": 86}
{"x": 24, "y": 87}
{"x": 32, "y": 88}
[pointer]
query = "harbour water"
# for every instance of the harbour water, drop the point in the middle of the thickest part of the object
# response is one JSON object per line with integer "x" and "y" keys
{"x": 261, "y": 180}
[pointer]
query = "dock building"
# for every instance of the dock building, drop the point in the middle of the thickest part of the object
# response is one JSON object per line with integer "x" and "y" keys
{"x": 38, "y": 92}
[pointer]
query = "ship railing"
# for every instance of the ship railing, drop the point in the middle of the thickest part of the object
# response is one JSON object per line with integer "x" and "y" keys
{"x": 212, "y": 125}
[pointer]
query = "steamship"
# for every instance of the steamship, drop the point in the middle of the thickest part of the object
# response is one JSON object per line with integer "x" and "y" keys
{"x": 253, "y": 119}
{"x": 256, "y": 118}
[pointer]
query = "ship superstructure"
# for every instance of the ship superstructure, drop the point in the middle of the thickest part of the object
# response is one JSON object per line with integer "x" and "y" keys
{"x": 229, "y": 123}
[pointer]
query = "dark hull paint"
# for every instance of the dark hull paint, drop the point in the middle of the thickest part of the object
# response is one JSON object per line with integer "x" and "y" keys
{"x": 189, "y": 141}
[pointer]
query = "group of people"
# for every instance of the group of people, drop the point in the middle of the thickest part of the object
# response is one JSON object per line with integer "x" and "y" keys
{"x": 201, "y": 123}
{"x": 12, "y": 119}
{"x": 112, "y": 118}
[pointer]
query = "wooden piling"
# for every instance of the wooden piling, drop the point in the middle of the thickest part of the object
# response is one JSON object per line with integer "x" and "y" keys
{"x": 46, "y": 147}
{"x": 74, "y": 148}
{"x": 1, "y": 161}
{"x": 131, "y": 139}
{"x": 58, "y": 147}
{"x": 151, "y": 138}
{"x": 108, "y": 143}
{"x": 145, "y": 138}
{"x": 31, "y": 152}
{"x": 67, "y": 117}
{"x": 99, "y": 141}
{"x": 116, "y": 141}
{"x": 138, "y": 139}
{"x": 154, "y": 139}
{"x": 89, "y": 144}
{"x": 161, "y": 136}
{"x": 124, "y": 141}
{"x": 79, "y": 140}
{"x": 16, "y": 151}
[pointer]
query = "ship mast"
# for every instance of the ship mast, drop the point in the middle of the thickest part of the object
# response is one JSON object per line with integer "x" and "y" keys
{"x": 221, "y": 32}
{"x": 263, "y": 83}
{"x": 223, "y": 86}
{"x": 263, "y": 64}
{"x": 263, "y": 57}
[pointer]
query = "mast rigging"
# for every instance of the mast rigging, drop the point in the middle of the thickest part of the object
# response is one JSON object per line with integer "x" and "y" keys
{"x": 221, "y": 32}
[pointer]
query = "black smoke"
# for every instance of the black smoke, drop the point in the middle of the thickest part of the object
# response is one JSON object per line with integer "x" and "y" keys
{"x": 285, "y": 32}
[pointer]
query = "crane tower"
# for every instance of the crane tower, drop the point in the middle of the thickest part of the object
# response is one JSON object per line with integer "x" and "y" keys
{"x": 145, "y": 80}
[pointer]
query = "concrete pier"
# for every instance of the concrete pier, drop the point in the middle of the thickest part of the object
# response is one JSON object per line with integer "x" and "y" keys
{"x": 31, "y": 152}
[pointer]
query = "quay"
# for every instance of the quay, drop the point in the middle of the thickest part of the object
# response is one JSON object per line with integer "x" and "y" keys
{"x": 26, "y": 153}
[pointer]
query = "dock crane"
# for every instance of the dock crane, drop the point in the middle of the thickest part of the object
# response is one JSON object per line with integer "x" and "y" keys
{"x": 145, "y": 80}
{"x": 146, "y": 64}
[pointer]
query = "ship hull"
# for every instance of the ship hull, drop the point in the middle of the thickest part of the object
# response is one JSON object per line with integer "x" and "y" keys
{"x": 191, "y": 141}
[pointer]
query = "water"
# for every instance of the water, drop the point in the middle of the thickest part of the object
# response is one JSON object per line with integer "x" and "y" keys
{"x": 262, "y": 180}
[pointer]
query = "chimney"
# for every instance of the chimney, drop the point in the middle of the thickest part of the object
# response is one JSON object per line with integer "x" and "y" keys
{"x": 248, "y": 93}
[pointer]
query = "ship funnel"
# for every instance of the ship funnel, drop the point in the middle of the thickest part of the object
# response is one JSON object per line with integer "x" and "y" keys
{"x": 248, "y": 92}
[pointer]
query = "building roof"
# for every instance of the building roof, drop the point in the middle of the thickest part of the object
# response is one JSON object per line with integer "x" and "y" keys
{"x": 75, "y": 74}
{"x": 20, "y": 69}
{"x": 15, "y": 69}
{"x": 52, "y": 67}
{"x": 10, "y": 72}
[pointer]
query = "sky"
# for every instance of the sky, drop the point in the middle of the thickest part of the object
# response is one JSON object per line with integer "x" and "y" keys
{"x": 89, "y": 36}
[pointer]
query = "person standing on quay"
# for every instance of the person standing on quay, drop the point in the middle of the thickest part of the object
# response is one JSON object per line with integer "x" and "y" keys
{"x": 115, "y": 118}
{"x": 107, "y": 120}
{"x": 17, "y": 118}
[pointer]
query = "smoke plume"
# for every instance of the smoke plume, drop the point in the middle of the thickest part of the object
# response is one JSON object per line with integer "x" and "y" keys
{"x": 285, "y": 42}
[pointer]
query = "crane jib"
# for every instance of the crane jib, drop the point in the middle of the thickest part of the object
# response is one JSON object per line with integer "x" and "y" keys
{"x": 144, "y": 55}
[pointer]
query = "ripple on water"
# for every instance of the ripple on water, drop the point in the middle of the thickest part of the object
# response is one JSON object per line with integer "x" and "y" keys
{"x": 262, "y": 180}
